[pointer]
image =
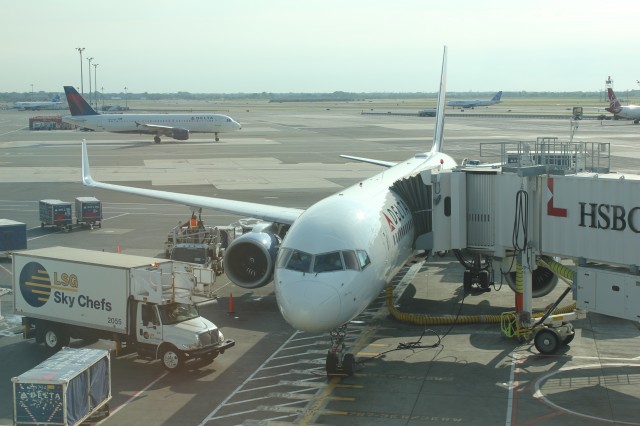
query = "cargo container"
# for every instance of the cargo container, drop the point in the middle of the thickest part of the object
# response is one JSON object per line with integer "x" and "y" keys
{"x": 55, "y": 213}
{"x": 144, "y": 304}
{"x": 13, "y": 236}
{"x": 89, "y": 211}
{"x": 70, "y": 387}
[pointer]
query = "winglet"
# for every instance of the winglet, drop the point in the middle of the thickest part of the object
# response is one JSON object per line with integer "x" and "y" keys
{"x": 87, "y": 180}
{"x": 439, "y": 130}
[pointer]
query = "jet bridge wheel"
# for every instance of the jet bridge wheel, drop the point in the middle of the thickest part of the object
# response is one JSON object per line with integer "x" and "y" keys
{"x": 157, "y": 139}
{"x": 547, "y": 341}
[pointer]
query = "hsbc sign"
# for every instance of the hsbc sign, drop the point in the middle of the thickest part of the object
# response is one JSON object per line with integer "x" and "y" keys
{"x": 609, "y": 216}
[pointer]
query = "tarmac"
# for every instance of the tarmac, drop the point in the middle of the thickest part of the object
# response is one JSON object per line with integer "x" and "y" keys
{"x": 406, "y": 374}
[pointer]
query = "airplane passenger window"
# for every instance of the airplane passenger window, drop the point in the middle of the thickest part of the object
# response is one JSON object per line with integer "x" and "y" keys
{"x": 328, "y": 262}
{"x": 363, "y": 258}
{"x": 299, "y": 261}
{"x": 350, "y": 259}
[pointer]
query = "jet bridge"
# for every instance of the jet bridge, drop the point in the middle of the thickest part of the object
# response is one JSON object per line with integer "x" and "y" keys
{"x": 545, "y": 200}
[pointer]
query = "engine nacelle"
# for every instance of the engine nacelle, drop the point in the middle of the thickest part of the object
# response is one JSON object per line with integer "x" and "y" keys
{"x": 543, "y": 281}
{"x": 180, "y": 134}
{"x": 249, "y": 261}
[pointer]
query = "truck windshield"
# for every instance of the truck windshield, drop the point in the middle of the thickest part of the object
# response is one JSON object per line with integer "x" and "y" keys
{"x": 177, "y": 312}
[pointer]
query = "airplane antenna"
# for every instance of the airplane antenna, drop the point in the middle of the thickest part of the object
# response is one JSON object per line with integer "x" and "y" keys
{"x": 439, "y": 131}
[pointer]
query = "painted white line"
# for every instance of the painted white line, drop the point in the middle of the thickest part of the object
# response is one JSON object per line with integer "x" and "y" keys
{"x": 511, "y": 386}
{"x": 211, "y": 416}
{"x": 134, "y": 396}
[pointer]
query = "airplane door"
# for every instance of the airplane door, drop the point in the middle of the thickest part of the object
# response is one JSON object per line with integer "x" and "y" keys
{"x": 99, "y": 124}
{"x": 149, "y": 328}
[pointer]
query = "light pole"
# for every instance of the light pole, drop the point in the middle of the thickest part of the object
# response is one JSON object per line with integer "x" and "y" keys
{"x": 125, "y": 97}
{"x": 80, "y": 49}
{"x": 102, "y": 96}
{"x": 95, "y": 83}
{"x": 90, "y": 59}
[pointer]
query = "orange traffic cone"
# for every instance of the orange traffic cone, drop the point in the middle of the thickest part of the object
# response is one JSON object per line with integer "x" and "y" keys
{"x": 231, "y": 310}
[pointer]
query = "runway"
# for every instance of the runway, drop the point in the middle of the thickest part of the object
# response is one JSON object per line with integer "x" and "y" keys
{"x": 289, "y": 156}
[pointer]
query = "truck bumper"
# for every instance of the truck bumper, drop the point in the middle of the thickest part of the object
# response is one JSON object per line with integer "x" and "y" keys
{"x": 212, "y": 350}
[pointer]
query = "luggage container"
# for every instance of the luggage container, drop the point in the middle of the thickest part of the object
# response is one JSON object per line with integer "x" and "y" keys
{"x": 89, "y": 211}
{"x": 55, "y": 213}
{"x": 70, "y": 387}
{"x": 13, "y": 236}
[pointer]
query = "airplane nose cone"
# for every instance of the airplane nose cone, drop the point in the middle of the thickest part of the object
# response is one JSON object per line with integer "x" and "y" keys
{"x": 308, "y": 305}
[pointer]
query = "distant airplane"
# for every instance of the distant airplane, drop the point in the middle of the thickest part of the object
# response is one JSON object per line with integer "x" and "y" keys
{"x": 176, "y": 126}
{"x": 628, "y": 112}
{"x": 37, "y": 105}
{"x": 475, "y": 103}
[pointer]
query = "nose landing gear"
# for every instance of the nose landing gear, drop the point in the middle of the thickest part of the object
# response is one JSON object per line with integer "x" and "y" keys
{"x": 339, "y": 363}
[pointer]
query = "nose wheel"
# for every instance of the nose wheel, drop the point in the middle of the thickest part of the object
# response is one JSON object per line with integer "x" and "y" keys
{"x": 337, "y": 363}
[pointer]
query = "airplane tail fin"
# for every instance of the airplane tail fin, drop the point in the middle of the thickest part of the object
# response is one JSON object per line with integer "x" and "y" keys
{"x": 614, "y": 104}
{"x": 77, "y": 104}
{"x": 439, "y": 130}
{"x": 496, "y": 97}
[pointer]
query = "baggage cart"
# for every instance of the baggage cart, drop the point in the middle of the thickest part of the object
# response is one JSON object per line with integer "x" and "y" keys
{"x": 55, "y": 213}
{"x": 89, "y": 211}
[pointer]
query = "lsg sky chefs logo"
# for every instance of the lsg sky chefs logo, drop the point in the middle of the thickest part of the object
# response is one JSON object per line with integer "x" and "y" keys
{"x": 35, "y": 284}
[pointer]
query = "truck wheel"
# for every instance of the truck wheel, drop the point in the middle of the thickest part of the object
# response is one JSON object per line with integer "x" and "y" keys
{"x": 55, "y": 339}
{"x": 172, "y": 359}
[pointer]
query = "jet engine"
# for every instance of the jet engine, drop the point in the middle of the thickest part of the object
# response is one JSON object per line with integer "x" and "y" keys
{"x": 543, "y": 281}
{"x": 180, "y": 134}
{"x": 249, "y": 261}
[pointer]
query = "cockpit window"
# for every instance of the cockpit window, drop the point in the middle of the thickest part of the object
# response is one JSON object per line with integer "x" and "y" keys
{"x": 283, "y": 257}
{"x": 350, "y": 260}
{"x": 299, "y": 261}
{"x": 363, "y": 258}
{"x": 328, "y": 262}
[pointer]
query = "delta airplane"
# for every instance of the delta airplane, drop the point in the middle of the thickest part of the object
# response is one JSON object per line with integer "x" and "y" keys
{"x": 475, "y": 103}
{"x": 330, "y": 261}
{"x": 628, "y": 112}
{"x": 176, "y": 126}
{"x": 37, "y": 105}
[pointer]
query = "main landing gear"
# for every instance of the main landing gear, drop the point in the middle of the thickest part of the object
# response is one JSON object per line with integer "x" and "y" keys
{"x": 157, "y": 139}
{"x": 339, "y": 363}
{"x": 217, "y": 138}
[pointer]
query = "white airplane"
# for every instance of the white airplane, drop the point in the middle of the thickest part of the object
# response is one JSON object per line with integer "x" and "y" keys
{"x": 176, "y": 126}
{"x": 475, "y": 103}
{"x": 37, "y": 105}
{"x": 330, "y": 261}
{"x": 628, "y": 112}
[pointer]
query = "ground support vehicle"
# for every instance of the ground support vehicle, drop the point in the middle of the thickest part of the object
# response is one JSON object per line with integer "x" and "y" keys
{"x": 143, "y": 304}
{"x": 13, "y": 236}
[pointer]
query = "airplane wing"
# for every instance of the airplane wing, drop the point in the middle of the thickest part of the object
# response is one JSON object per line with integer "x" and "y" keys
{"x": 370, "y": 160}
{"x": 162, "y": 130}
{"x": 266, "y": 212}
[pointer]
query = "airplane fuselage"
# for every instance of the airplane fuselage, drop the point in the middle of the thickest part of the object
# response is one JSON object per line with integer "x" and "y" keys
{"x": 629, "y": 112}
{"x": 134, "y": 123}
{"x": 36, "y": 105}
{"x": 368, "y": 219}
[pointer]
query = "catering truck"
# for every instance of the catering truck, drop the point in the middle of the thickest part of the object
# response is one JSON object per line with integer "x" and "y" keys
{"x": 144, "y": 304}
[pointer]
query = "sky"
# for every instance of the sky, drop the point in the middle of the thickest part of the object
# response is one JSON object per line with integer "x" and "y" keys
{"x": 283, "y": 46}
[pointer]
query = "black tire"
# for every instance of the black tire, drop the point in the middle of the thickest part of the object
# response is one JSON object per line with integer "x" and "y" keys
{"x": 349, "y": 364}
{"x": 54, "y": 338}
{"x": 157, "y": 139}
{"x": 547, "y": 341}
{"x": 172, "y": 359}
{"x": 331, "y": 364}
{"x": 568, "y": 339}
